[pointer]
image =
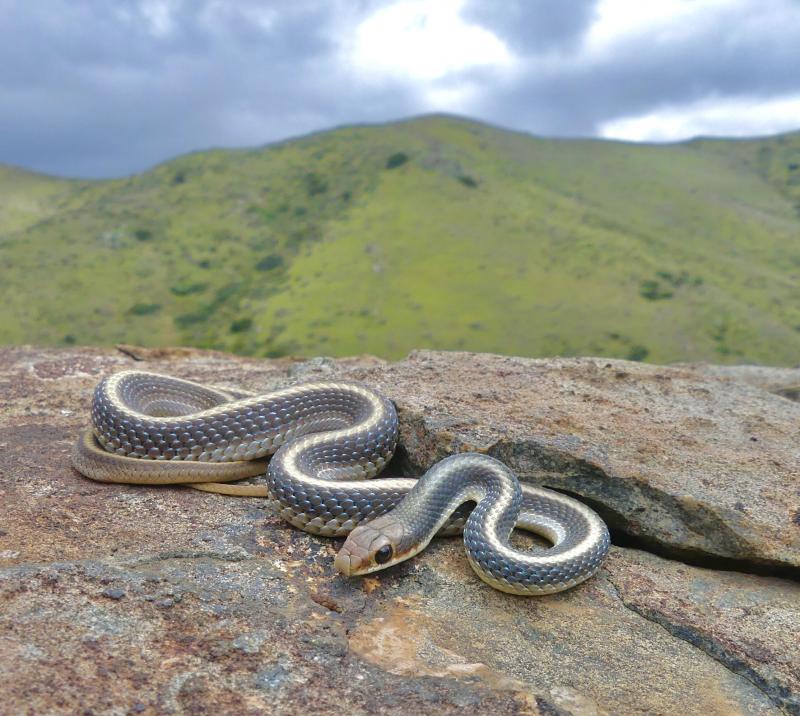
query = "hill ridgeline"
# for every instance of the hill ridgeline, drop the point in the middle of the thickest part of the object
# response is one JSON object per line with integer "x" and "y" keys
{"x": 436, "y": 232}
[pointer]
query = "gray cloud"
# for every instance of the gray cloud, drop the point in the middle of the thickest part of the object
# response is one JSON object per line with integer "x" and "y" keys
{"x": 93, "y": 91}
{"x": 747, "y": 50}
{"x": 91, "y": 88}
{"x": 533, "y": 25}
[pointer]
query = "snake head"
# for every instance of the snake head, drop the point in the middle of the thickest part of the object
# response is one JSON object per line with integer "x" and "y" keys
{"x": 372, "y": 546}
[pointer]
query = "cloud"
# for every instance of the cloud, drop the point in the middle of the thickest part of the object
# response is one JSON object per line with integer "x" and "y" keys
{"x": 422, "y": 41}
{"x": 100, "y": 89}
{"x": 428, "y": 48}
{"x": 740, "y": 117}
{"x": 91, "y": 88}
{"x": 533, "y": 26}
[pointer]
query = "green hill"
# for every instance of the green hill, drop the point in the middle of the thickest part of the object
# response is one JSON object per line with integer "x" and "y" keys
{"x": 435, "y": 232}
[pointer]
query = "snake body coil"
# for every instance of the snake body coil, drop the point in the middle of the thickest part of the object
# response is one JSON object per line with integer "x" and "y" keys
{"x": 327, "y": 438}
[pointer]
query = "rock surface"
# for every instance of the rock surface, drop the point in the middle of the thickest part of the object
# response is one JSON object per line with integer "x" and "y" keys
{"x": 781, "y": 381}
{"x": 123, "y": 599}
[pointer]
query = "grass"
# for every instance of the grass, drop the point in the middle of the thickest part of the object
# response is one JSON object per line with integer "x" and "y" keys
{"x": 436, "y": 232}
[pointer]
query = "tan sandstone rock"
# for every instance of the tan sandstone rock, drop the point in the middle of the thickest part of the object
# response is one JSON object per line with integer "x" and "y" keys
{"x": 125, "y": 599}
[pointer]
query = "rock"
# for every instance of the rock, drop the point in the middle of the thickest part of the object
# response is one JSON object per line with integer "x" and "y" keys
{"x": 781, "y": 381}
{"x": 608, "y": 646}
{"x": 168, "y": 600}
{"x": 746, "y": 623}
{"x": 687, "y": 462}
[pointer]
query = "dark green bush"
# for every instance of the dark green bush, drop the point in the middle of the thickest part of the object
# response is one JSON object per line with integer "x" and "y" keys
{"x": 396, "y": 160}
{"x": 270, "y": 262}
{"x": 144, "y": 309}
{"x": 638, "y": 353}
{"x": 277, "y": 352}
{"x": 204, "y": 313}
{"x": 674, "y": 279}
{"x": 189, "y": 319}
{"x": 653, "y": 291}
{"x": 662, "y": 286}
{"x": 315, "y": 184}
{"x": 302, "y": 235}
{"x": 143, "y": 234}
{"x": 241, "y": 325}
{"x": 468, "y": 181}
{"x": 226, "y": 292}
{"x": 186, "y": 289}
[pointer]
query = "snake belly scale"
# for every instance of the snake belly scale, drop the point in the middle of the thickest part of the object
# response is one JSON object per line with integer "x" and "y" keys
{"x": 326, "y": 439}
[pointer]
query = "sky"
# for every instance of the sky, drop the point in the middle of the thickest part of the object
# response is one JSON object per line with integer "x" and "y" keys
{"x": 99, "y": 88}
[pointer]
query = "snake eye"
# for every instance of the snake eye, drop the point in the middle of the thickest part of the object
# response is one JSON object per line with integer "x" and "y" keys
{"x": 384, "y": 554}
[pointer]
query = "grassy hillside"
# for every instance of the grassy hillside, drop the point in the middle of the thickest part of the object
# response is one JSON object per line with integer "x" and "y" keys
{"x": 435, "y": 232}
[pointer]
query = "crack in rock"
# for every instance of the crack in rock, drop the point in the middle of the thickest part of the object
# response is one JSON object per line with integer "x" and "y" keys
{"x": 782, "y": 696}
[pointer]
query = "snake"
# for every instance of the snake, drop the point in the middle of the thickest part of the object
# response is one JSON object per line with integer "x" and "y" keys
{"x": 326, "y": 439}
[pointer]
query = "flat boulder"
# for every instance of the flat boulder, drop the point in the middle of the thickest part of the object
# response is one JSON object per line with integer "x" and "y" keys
{"x": 130, "y": 599}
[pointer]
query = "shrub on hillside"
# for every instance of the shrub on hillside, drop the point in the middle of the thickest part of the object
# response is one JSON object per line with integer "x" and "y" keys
{"x": 144, "y": 309}
{"x": 396, "y": 160}
{"x": 662, "y": 286}
{"x": 653, "y": 290}
{"x": 315, "y": 184}
{"x": 186, "y": 289}
{"x": 270, "y": 262}
{"x": 241, "y": 325}
{"x": 638, "y": 353}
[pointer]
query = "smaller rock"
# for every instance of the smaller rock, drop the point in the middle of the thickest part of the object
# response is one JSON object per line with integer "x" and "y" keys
{"x": 114, "y": 593}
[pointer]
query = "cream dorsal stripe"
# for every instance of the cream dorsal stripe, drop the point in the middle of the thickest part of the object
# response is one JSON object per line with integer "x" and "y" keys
{"x": 326, "y": 440}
